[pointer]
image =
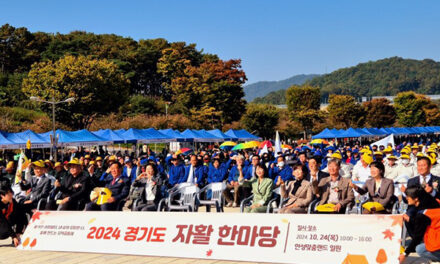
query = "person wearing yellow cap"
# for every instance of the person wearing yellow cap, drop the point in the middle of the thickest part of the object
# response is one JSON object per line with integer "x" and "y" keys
{"x": 10, "y": 175}
{"x": 60, "y": 172}
{"x": 435, "y": 167}
{"x": 345, "y": 169}
{"x": 39, "y": 186}
{"x": 86, "y": 160}
{"x": 391, "y": 167}
{"x": 414, "y": 152}
{"x": 99, "y": 169}
{"x": 74, "y": 189}
{"x": 406, "y": 167}
{"x": 334, "y": 190}
{"x": 361, "y": 171}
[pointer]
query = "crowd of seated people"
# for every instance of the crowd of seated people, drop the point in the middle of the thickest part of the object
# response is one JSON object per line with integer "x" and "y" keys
{"x": 308, "y": 179}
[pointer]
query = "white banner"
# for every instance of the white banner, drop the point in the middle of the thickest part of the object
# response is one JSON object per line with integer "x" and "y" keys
{"x": 227, "y": 236}
{"x": 385, "y": 141}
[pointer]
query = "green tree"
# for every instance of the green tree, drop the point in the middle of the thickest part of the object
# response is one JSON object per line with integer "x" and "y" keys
{"x": 261, "y": 118}
{"x": 345, "y": 112}
{"x": 303, "y": 104}
{"x": 409, "y": 109}
{"x": 214, "y": 88}
{"x": 97, "y": 86}
{"x": 379, "y": 113}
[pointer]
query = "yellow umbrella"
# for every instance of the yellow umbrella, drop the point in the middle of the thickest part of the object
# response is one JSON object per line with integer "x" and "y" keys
{"x": 252, "y": 144}
{"x": 228, "y": 144}
{"x": 285, "y": 146}
{"x": 319, "y": 141}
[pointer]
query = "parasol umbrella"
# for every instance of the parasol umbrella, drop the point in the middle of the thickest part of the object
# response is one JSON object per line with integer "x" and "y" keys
{"x": 184, "y": 151}
{"x": 285, "y": 146}
{"x": 319, "y": 141}
{"x": 252, "y": 144}
{"x": 228, "y": 145}
{"x": 239, "y": 146}
{"x": 265, "y": 143}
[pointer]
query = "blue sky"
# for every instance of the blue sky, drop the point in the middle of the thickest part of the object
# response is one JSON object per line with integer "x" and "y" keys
{"x": 274, "y": 39}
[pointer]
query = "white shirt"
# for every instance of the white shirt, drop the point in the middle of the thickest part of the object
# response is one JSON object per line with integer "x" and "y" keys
{"x": 427, "y": 178}
{"x": 191, "y": 178}
{"x": 149, "y": 191}
{"x": 361, "y": 173}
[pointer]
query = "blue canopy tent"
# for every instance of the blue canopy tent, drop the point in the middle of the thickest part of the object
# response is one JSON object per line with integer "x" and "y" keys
{"x": 326, "y": 133}
{"x": 175, "y": 135}
{"x": 242, "y": 135}
{"x": 376, "y": 132}
{"x": 349, "y": 133}
{"x": 208, "y": 136}
{"x": 21, "y": 139}
{"x": 219, "y": 133}
{"x": 193, "y": 135}
{"x": 153, "y": 134}
{"x": 76, "y": 138}
{"x": 109, "y": 134}
{"x": 364, "y": 132}
{"x": 133, "y": 135}
{"x": 6, "y": 143}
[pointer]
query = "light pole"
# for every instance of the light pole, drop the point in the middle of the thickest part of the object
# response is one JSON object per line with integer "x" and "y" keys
{"x": 166, "y": 109}
{"x": 53, "y": 103}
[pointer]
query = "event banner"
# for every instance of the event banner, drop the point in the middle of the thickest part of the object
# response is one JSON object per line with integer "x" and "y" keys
{"x": 282, "y": 238}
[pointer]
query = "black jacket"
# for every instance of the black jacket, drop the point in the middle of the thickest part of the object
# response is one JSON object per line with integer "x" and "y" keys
{"x": 79, "y": 193}
{"x": 16, "y": 218}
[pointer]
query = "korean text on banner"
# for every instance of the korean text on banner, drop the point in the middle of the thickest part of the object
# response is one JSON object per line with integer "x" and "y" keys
{"x": 232, "y": 236}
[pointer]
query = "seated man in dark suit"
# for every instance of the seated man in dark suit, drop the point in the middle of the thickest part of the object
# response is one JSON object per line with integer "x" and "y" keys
{"x": 315, "y": 174}
{"x": 334, "y": 189}
{"x": 426, "y": 181}
{"x": 117, "y": 184}
{"x": 424, "y": 178}
{"x": 39, "y": 186}
{"x": 75, "y": 188}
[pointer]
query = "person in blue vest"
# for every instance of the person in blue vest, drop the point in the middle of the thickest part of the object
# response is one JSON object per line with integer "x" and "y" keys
{"x": 195, "y": 172}
{"x": 176, "y": 171}
{"x": 117, "y": 183}
{"x": 238, "y": 170}
{"x": 281, "y": 169}
{"x": 216, "y": 172}
{"x": 129, "y": 169}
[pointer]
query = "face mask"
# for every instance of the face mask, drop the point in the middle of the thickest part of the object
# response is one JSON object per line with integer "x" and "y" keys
{"x": 281, "y": 164}
{"x": 405, "y": 162}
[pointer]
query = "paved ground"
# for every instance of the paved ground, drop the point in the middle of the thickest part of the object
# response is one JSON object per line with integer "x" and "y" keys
{"x": 9, "y": 255}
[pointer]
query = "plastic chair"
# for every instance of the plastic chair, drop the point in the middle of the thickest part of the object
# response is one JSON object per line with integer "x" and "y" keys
{"x": 277, "y": 202}
{"x": 246, "y": 202}
{"x": 163, "y": 203}
{"x": 312, "y": 206}
{"x": 216, "y": 199}
{"x": 188, "y": 199}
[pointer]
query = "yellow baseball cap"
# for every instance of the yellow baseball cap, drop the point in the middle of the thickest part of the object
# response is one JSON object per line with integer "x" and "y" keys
{"x": 39, "y": 163}
{"x": 74, "y": 161}
{"x": 98, "y": 158}
{"x": 388, "y": 149}
{"x": 392, "y": 157}
{"x": 404, "y": 156}
{"x": 336, "y": 155}
{"x": 367, "y": 158}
